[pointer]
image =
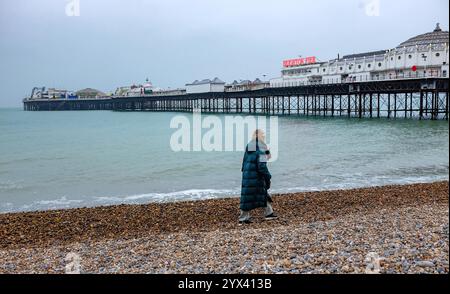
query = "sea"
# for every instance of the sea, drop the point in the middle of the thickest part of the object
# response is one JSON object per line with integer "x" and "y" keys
{"x": 66, "y": 159}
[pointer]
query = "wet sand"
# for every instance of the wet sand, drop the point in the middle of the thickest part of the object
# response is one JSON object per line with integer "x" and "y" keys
{"x": 403, "y": 229}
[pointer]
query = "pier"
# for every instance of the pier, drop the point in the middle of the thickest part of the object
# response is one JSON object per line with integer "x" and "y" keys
{"x": 422, "y": 98}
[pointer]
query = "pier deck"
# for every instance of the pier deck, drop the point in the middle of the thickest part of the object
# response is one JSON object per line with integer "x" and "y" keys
{"x": 425, "y": 98}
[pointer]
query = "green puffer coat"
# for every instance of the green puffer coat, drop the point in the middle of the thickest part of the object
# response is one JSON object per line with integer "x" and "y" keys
{"x": 255, "y": 177}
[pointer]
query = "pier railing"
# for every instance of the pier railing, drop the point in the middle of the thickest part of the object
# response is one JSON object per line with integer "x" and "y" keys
{"x": 356, "y": 79}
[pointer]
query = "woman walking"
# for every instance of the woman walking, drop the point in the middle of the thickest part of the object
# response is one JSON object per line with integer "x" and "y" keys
{"x": 256, "y": 179}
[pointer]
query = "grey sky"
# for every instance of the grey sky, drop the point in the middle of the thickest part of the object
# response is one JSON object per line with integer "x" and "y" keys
{"x": 120, "y": 42}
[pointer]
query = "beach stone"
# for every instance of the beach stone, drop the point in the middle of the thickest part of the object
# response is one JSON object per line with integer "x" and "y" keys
{"x": 425, "y": 263}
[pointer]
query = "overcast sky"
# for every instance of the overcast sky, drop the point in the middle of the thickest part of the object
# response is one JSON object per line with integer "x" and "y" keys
{"x": 119, "y": 42}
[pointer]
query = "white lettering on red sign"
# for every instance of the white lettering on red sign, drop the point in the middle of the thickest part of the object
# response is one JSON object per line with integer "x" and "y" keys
{"x": 299, "y": 61}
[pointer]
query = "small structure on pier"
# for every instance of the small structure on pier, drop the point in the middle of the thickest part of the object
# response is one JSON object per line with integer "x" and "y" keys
{"x": 246, "y": 85}
{"x": 90, "y": 93}
{"x": 136, "y": 89}
{"x": 205, "y": 86}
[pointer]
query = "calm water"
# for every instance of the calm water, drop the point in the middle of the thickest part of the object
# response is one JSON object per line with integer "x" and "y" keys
{"x": 70, "y": 159}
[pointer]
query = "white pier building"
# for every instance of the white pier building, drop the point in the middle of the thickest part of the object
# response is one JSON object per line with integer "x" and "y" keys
{"x": 425, "y": 55}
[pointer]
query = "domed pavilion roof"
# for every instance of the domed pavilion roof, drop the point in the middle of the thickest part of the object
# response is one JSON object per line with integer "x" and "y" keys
{"x": 438, "y": 36}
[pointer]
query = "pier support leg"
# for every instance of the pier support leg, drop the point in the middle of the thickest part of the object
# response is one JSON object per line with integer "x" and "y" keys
{"x": 421, "y": 106}
{"x": 378, "y": 105}
{"x": 406, "y": 105}
{"x": 349, "y": 109}
{"x": 332, "y": 105}
{"x": 446, "y": 106}
{"x": 395, "y": 105}
{"x": 360, "y": 106}
{"x": 389, "y": 105}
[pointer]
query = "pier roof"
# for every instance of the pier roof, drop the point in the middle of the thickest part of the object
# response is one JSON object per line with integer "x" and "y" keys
{"x": 437, "y": 36}
{"x": 89, "y": 92}
{"x": 207, "y": 81}
{"x": 366, "y": 54}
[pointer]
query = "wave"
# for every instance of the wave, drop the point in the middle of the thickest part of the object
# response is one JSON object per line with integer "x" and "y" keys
{"x": 365, "y": 182}
{"x": 64, "y": 202}
{"x": 203, "y": 194}
{"x": 61, "y": 201}
{"x": 11, "y": 185}
{"x": 31, "y": 159}
{"x": 58, "y": 203}
{"x": 192, "y": 194}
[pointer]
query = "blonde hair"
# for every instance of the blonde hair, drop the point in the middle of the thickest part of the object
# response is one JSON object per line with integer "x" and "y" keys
{"x": 258, "y": 135}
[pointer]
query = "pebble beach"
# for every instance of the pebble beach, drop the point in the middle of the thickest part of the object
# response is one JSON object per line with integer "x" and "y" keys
{"x": 388, "y": 229}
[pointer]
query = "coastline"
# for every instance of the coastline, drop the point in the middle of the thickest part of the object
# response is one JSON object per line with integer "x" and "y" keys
{"x": 310, "y": 223}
